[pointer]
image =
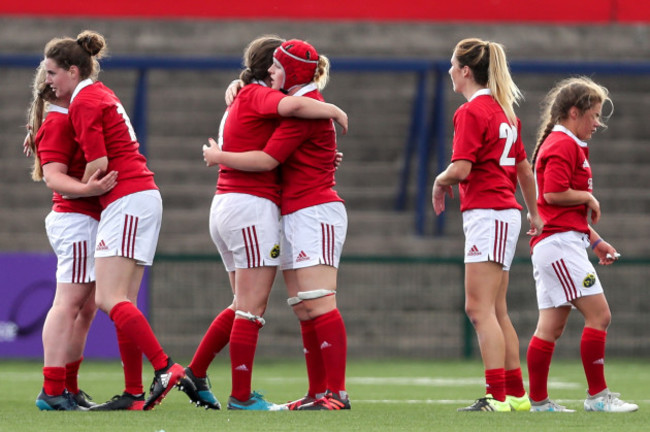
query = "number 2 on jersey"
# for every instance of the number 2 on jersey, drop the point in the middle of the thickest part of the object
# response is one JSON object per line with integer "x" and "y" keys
{"x": 509, "y": 133}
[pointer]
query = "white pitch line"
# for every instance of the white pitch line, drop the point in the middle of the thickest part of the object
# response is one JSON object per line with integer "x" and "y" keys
{"x": 369, "y": 381}
{"x": 425, "y": 381}
{"x": 461, "y": 401}
{"x": 38, "y": 376}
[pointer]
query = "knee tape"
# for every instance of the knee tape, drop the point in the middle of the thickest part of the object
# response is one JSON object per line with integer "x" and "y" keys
{"x": 249, "y": 316}
{"x": 292, "y": 301}
{"x": 311, "y": 295}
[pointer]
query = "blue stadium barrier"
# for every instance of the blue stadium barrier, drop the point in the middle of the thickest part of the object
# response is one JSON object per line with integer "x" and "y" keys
{"x": 427, "y": 131}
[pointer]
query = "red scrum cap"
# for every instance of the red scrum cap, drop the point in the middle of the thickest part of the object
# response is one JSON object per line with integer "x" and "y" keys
{"x": 298, "y": 60}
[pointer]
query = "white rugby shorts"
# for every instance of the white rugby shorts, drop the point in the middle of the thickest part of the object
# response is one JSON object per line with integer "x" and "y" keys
{"x": 129, "y": 227}
{"x": 314, "y": 235}
{"x": 246, "y": 230}
{"x": 72, "y": 236}
{"x": 491, "y": 235}
{"x": 562, "y": 270}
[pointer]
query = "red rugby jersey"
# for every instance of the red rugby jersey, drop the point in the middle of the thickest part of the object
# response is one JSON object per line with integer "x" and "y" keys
{"x": 249, "y": 123}
{"x": 55, "y": 143}
{"x": 484, "y": 136}
{"x": 562, "y": 163}
{"x": 306, "y": 149}
{"x": 102, "y": 128}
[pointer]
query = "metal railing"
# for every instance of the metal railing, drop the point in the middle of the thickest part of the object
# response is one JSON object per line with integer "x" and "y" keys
{"x": 431, "y": 122}
{"x": 392, "y": 306}
{"x": 427, "y": 132}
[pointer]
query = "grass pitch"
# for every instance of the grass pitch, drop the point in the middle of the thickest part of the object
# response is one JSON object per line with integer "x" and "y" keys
{"x": 395, "y": 395}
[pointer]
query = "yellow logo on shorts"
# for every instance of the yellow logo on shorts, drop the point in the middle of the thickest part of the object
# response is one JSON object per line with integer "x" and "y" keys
{"x": 275, "y": 252}
{"x": 589, "y": 281}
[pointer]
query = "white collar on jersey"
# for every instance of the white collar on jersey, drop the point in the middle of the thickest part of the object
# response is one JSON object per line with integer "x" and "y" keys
{"x": 482, "y": 92}
{"x": 262, "y": 83}
{"x": 82, "y": 85}
{"x": 306, "y": 89}
{"x": 560, "y": 128}
{"x": 56, "y": 108}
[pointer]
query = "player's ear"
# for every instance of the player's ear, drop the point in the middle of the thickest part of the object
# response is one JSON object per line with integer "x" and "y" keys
{"x": 74, "y": 72}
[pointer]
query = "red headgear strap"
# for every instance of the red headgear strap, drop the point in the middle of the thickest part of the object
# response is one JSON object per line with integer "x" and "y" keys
{"x": 299, "y": 61}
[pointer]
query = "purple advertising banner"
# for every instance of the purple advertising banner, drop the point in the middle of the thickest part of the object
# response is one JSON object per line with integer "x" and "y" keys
{"x": 27, "y": 288}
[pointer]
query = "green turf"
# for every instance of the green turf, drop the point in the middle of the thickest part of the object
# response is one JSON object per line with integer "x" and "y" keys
{"x": 396, "y": 395}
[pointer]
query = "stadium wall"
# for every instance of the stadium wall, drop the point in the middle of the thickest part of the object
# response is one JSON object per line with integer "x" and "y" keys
{"x": 513, "y": 11}
{"x": 407, "y": 300}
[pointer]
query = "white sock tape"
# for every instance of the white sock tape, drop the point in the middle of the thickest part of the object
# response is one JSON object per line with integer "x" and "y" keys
{"x": 249, "y": 316}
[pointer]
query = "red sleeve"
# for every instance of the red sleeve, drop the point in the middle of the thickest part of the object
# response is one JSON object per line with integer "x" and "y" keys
{"x": 287, "y": 137}
{"x": 468, "y": 135}
{"x": 87, "y": 121}
{"x": 265, "y": 102}
{"x": 559, "y": 169}
{"x": 519, "y": 145}
{"x": 55, "y": 141}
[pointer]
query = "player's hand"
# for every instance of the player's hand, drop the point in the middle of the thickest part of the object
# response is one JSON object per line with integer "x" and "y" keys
{"x": 594, "y": 206}
{"x": 27, "y": 150}
{"x": 211, "y": 153}
{"x": 606, "y": 253}
{"x": 536, "y": 225}
{"x": 99, "y": 184}
{"x": 338, "y": 159}
{"x": 232, "y": 90}
{"x": 438, "y": 197}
